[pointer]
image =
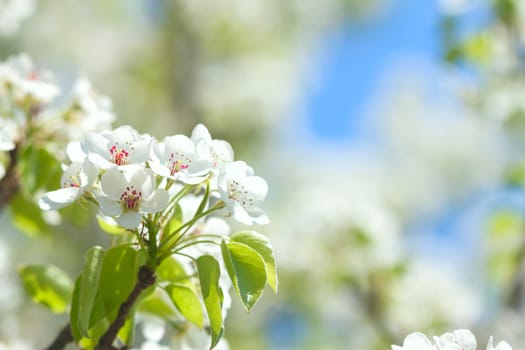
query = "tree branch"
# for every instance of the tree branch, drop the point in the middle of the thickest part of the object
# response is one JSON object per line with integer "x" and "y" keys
{"x": 146, "y": 277}
{"x": 9, "y": 184}
{"x": 63, "y": 338}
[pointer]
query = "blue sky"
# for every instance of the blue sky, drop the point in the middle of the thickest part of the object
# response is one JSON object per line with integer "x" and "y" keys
{"x": 357, "y": 56}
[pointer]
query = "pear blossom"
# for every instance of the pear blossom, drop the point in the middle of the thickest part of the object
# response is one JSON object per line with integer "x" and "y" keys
{"x": 463, "y": 338}
{"x": 502, "y": 345}
{"x": 220, "y": 151}
{"x": 129, "y": 193}
{"x": 460, "y": 339}
{"x": 90, "y": 112}
{"x": 415, "y": 341}
{"x": 12, "y": 12}
{"x": 26, "y": 80}
{"x": 242, "y": 192}
{"x": 122, "y": 146}
{"x": 76, "y": 180}
{"x": 8, "y": 134}
{"x": 176, "y": 158}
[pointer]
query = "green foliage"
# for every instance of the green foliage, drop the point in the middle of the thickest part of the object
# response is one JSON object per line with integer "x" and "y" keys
{"x": 109, "y": 228}
{"x": 209, "y": 274}
{"x": 117, "y": 278}
{"x": 247, "y": 271}
{"x": 89, "y": 286}
{"x": 158, "y": 303}
{"x": 187, "y": 302}
{"x": 27, "y": 217}
{"x": 47, "y": 285}
{"x": 261, "y": 245}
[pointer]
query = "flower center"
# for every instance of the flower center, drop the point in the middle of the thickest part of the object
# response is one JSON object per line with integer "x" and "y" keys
{"x": 176, "y": 161}
{"x": 239, "y": 193}
{"x": 72, "y": 181}
{"x": 119, "y": 156}
{"x": 130, "y": 198}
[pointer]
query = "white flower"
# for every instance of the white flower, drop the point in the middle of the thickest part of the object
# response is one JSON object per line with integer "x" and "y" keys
{"x": 26, "y": 81}
{"x": 502, "y": 345}
{"x": 12, "y": 12}
{"x": 242, "y": 192}
{"x": 121, "y": 146}
{"x": 415, "y": 341}
{"x": 78, "y": 178}
{"x": 91, "y": 112}
{"x": 176, "y": 158}
{"x": 8, "y": 134}
{"x": 463, "y": 339}
{"x": 218, "y": 150}
{"x": 129, "y": 193}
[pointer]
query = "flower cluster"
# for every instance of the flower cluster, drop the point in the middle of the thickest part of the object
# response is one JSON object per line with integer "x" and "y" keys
{"x": 460, "y": 339}
{"x": 29, "y": 113}
{"x": 130, "y": 174}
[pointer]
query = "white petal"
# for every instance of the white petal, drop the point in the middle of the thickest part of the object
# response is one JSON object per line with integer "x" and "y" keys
{"x": 91, "y": 171}
{"x": 159, "y": 169}
{"x": 140, "y": 152}
{"x": 109, "y": 207}
{"x": 125, "y": 134}
{"x": 417, "y": 341}
{"x": 129, "y": 219}
{"x": 59, "y": 198}
{"x": 100, "y": 161}
{"x": 200, "y": 132}
{"x": 74, "y": 152}
{"x": 113, "y": 182}
{"x": 96, "y": 143}
{"x": 143, "y": 181}
{"x": 240, "y": 214}
{"x": 256, "y": 186}
{"x": 155, "y": 203}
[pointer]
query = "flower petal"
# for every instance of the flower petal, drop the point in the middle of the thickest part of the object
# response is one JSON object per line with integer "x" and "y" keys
{"x": 112, "y": 182}
{"x": 156, "y": 202}
{"x": 109, "y": 207}
{"x": 59, "y": 198}
{"x": 129, "y": 219}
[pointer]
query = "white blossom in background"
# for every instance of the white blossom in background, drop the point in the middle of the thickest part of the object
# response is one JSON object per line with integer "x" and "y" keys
{"x": 8, "y": 134}
{"x": 427, "y": 289}
{"x": 90, "y": 111}
{"x": 20, "y": 74}
{"x": 460, "y": 339}
{"x": 12, "y": 13}
{"x": 196, "y": 339}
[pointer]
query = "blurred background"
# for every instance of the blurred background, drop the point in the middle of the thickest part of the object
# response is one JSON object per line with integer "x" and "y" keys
{"x": 391, "y": 132}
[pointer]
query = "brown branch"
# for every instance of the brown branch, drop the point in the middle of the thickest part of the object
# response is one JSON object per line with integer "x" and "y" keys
{"x": 146, "y": 277}
{"x": 63, "y": 338}
{"x": 10, "y": 184}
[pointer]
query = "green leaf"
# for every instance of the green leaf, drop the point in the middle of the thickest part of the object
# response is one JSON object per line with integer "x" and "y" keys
{"x": 247, "y": 271}
{"x": 73, "y": 314}
{"x": 89, "y": 286}
{"x": 209, "y": 273}
{"x": 159, "y": 304}
{"x": 170, "y": 270}
{"x": 108, "y": 227}
{"x": 27, "y": 217}
{"x": 126, "y": 333}
{"x": 261, "y": 245}
{"x": 187, "y": 302}
{"x": 47, "y": 285}
{"x": 117, "y": 277}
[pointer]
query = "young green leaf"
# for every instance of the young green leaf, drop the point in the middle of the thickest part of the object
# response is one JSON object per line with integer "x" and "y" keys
{"x": 247, "y": 271}
{"x": 112, "y": 229}
{"x": 117, "y": 278}
{"x": 158, "y": 303}
{"x": 170, "y": 270}
{"x": 209, "y": 273}
{"x": 47, "y": 285}
{"x": 187, "y": 302}
{"x": 261, "y": 245}
{"x": 89, "y": 286}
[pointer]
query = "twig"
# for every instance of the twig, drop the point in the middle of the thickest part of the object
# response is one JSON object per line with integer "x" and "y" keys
{"x": 9, "y": 184}
{"x": 146, "y": 277}
{"x": 63, "y": 338}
